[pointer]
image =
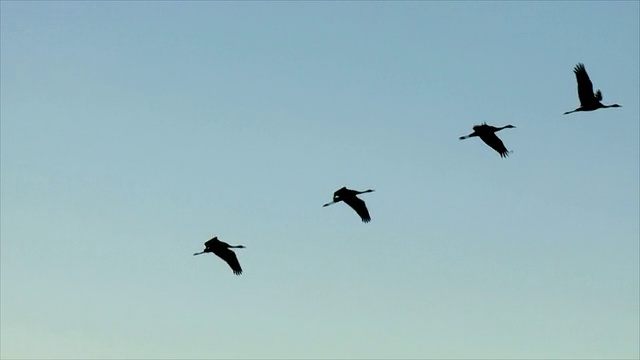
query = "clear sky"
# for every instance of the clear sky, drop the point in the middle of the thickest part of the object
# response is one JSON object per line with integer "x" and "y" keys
{"x": 133, "y": 132}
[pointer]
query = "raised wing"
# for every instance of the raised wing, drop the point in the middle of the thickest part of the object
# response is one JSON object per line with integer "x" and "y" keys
{"x": 343, "y": 192}
{"x": 585, "y": 87}
{"x": 598, "y": 95}
{"x": 496, "y": 144}
{"x": 214, "y": 242}
{"x": 359, "y": 206}
{"x": 230, "y": 258}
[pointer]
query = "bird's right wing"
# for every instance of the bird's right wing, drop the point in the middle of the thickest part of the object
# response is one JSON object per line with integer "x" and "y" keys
{"x": 599, "y": 95}
{"x": 585, "y": 87}
{"x": 496, "y": 144}
{"x": 359, "y": 206}
{"x": 211, "y": 243}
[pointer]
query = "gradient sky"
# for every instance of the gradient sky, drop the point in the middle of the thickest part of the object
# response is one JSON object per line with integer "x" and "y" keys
{"x": 133, "y": 132}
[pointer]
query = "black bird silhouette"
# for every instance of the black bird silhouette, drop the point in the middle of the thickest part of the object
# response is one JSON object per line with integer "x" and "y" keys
{"x": 488, "y": 134}
{"x": 588, "y": 100}
{"x": 350, "y": 198}
{"x": 224, "y": 252}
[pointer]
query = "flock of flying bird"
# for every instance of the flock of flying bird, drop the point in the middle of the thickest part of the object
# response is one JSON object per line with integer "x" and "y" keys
{"x": 589, "y": 101}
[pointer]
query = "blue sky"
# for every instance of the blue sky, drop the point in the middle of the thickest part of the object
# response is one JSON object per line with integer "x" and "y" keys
{"x": 133, "y": 132}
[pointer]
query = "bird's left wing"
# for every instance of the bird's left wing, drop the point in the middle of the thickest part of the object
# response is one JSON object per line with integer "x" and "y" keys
{"x": 360, "y": 207}
{"x": 230, "y": 258}
{"x": 585, "y": 87}
{"x": 496, "y": 144}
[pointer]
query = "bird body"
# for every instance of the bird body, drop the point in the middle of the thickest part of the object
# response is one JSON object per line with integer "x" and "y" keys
{"x": 349, "y": 197}
{"x": 223, "y": 251}
{"x": 589, "y": 100}
{"x": 487, "y": 133}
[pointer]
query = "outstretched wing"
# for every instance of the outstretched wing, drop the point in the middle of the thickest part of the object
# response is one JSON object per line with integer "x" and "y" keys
{"x": 359, "y": 206}
{"x": 496, "y": 144}
{"x": 230, "y": 258}
{"x": 585, "y": 87}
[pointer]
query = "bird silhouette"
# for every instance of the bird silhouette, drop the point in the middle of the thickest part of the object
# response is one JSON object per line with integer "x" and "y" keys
{"x": 488, "y": 134}
{"x": 588, "y": 100}
{"x": 349, "y": 197}
{"x": 224, "y": 252}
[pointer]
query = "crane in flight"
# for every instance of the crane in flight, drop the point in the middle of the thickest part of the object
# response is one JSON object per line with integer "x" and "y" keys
{"x": 487, "y": 133}
{"x": 350, "y": 197}
{"x": 224, "y": 252}
{"x": 589, "y": 100}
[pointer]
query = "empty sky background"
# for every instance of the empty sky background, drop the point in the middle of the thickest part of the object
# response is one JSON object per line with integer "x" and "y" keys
{"x": 133, "y": 132}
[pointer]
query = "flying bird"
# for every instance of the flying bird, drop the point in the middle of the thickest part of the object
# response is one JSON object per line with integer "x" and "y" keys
{"x": 224, "y": 252}
{"x": 349, "y": 197}
{"x": 487, "y": 133}
{"x": 588, "y": 100}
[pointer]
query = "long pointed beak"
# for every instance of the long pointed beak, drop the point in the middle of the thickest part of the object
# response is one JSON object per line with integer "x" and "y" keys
{"x": 198, "y": 253}
{"x": 327, "y": 204}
